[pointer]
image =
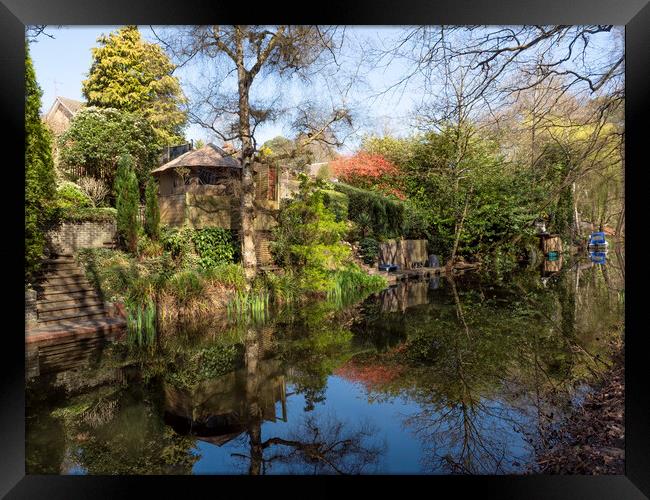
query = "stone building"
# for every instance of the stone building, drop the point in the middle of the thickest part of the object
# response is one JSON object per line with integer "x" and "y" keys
{"x": 60, "y": 115}
{"x": 202, "y": 188}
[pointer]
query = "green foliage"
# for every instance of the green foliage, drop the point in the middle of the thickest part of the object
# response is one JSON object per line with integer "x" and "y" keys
{"x": 141, "y": 323}
{"x": 127, "y": 203}
{"x": 210, "y": 246}
{"x": 249, "y": 306}
{"x": 351, "y": 282}
{"x": 98, "y": 138}
{"x": 69, "y": 195}
{"x": 214, "y": 245}
{"x": 74, "y": 214}
{"x": 132, "y": 75}
{"x": 369, "y": 250}
{"x": 205, "y": 363}
{"x": 375, "y": 214}
{"x": 282, "y": 287}
{"x": 186, "y": 285}
{"x": 39, "y": 173}
{"x": 308, "y": 240}
{"x": 152, "y": 210}
{"x": 231, "y": 275}
{"x": 336, "y": 202}
{"x": 176, "y": 241}
{"x": 458, "y": 185}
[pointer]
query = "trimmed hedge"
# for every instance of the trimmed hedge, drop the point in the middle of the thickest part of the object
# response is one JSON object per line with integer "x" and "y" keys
{"x": 73, "y": 214}
{"x": 383, "y": 216}
{"x": 337, "y": 202}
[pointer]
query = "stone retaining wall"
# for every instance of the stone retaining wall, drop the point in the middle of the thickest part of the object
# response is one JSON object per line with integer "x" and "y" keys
{"x": 71, "y": 236}
{"x": 405, "y": 253}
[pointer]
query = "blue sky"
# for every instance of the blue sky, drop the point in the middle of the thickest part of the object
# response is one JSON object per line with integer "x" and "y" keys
{"x": 62, "y": 62}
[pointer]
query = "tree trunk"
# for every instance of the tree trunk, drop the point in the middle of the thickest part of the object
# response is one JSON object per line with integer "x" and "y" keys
{"x": 459, "y": 230}
{"x": 620, "y": 225}
{"x": 247, "y": 206}
{"x": 576, "y": 216}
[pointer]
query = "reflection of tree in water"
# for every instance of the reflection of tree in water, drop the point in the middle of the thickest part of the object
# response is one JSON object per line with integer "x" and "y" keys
{"x": 238, "y": 403}
{"x": 105, "y": 426}
{"x": 318, "y": 447}
{"x": 491, "y": 365}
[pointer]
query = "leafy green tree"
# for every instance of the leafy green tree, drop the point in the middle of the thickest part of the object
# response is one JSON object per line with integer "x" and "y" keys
{"x": 469, "y": 203}
{"x": 152, "y": 210}
{"x": 132, "y": 75}
{"x": 308, "y": 238}
{"x": 127, "y": 199}
{"x": 97, "y": 138}
{"x": 39, "y": 173}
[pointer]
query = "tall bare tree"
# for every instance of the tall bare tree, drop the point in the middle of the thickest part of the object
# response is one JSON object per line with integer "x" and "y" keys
{"x": 238, "y": 57}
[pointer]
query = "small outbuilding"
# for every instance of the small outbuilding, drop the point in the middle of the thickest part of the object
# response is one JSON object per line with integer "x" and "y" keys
{"x": 202, "y": 188}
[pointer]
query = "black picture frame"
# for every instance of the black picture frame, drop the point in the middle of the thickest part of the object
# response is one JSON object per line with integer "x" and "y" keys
{"x": 634, "y": 14}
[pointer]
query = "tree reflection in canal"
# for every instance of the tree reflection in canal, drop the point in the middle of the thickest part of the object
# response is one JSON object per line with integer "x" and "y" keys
{"x": 468, "y": 374}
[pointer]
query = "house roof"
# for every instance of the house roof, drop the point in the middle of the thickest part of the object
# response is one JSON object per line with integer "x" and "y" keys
{"x": 69, "y": 105}
{"x": 72, "y": 105}
{"x": 207, "y": 156}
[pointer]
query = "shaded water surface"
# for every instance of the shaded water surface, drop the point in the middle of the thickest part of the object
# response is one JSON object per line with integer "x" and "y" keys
{"x": 438, "y": 376}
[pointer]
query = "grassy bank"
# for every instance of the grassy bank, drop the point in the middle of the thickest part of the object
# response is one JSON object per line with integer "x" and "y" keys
{"x": 159, "y": 291}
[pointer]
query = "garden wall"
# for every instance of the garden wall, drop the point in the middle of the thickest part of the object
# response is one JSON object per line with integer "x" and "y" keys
{"x": 405, "y": 253}
{"x": 71, "y": 236}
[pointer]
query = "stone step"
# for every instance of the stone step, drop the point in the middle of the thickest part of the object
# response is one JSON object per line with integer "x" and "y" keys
{"x": 58, "y": 318}
{"x": 62, "y": 296}
{"x": 63, "y": 266}
{"x": 50, "y": 289}
{"x": 75, "y": 311}
{"x": 65, "y": 273}
{"x": 65, "y": 280}
{"x": 62, "y": 299}
{"x": 68, "y": 305}
{"x": 60, "y": 259}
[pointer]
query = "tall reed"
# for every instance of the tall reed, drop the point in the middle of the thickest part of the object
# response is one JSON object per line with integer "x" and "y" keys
{"x": 141, "y": 322}
{"x": 252, "y": 306}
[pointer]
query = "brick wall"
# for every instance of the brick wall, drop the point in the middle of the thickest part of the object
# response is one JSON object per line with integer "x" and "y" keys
{"x": 71, "y": 236}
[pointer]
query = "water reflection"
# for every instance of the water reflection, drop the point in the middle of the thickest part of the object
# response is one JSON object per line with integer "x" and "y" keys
{"x": 448, "y": 376}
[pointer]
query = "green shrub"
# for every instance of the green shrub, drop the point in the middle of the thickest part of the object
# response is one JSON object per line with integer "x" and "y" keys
{"x": 74, "y": 214}
{"x": 214, "y": 246}
{"x": 185, "y": 285}
{"x": 226, "y": 274}
{"x": 369, "y": 250}
{"x": 148, "y": 247}
{"x": 415, "y": 224}
{"x": 152, "y": 211}
{"x": 382, "y": 217}
{"x": 69, "y": 195}
{"x": 176, "y": 241}
{"x": 337, "y": 202}
{"x": 39, "y": 173}
{"x": 127, "y": 198}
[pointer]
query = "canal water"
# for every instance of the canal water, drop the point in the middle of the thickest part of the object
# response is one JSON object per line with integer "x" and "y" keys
{"x": 462, "y": 376}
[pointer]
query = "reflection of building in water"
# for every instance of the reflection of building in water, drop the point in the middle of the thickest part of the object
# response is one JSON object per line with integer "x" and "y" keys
{"x": 59, "y": 355}
{"x": 219, "y": 410}
{"x": 404, "y": 295}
